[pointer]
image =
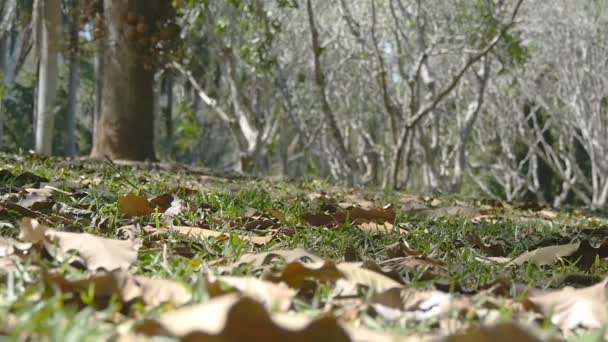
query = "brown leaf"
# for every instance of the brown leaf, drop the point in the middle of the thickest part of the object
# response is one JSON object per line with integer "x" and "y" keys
{"x": 395, "y": 303}
{"x": 134, "y": 205}
{"x": 93, "y": 251}
{"x": 37, "y": 199}
{"x": 31, "y": 230}
{"x": 207, "y": 233}
{"x": 355, "y": 273}
{"x": 570, "y": 308}
{"x": 162, "y": 202}
{"x": 151, "y": 292}
{"x": 496, "y": 249}
{"x": 427, "y": 268}
{"x": 237, "y": 318}
{"x": 504, "y": 332}
{"x": 295, "y": 274}
{"x": 273, "y": 296}
{"x": 258, "y": 261}
{"x": 335, "y": 215}
{"x": 177, "y": 207}
{"x": 542, "y": 256}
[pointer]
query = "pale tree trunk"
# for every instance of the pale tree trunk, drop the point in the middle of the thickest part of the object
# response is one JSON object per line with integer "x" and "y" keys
{"x": 70, "y": 147}
{"x": 125, "y": 128}
{"x": 48, "y": 38}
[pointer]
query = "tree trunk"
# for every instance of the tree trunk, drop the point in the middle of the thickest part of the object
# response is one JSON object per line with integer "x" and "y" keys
{"x": 125, "y": 129}
{"x": 70, "y": 142}
{"x": 49, "y": 21}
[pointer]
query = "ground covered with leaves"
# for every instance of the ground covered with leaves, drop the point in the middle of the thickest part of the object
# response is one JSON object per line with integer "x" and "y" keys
{"x": 99, "y": 251}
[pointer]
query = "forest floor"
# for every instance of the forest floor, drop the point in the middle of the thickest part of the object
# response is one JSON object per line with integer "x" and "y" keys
{"x": 96, "y": 251}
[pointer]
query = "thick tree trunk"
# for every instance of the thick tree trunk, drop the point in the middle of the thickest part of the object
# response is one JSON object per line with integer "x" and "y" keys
{"x": 125, "y": 129}
{"x": 49, "y": 35}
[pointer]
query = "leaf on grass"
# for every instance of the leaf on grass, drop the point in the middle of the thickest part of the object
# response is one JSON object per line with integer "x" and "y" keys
{"x": 257, "y": 261}
{"x": 504, "y": 332}
{"x": 295, "y": 274}
{"x": 335, "y": 215}
{"x": 31, "y": 230}
{"x": 355, "y": 273}
{"x": 134, "y": 205}
{"x": 207, "y": 233}
{"x": 150, "y": 291}
{"x": 93, "y": 251}
{"x": 37, "y": 199}
{"x": 396, "y": 303}
{"x": 422, "y": 266}
{"x": 237, "y": 318}
{"x": 273, "y": 296}
{"x": 570, "y": 308}
{"x": 542, "y": 256}
{"x": 162, "y": 202}
{"x": 177, "y": 207}
{"x": 495, "y": 249}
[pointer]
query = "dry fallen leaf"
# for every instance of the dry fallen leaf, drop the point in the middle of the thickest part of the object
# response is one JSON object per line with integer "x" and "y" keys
{"x": 134, "y": 205}
{"x": 37, "y": 199}
{"x": 396, "y": 303}
{"x": 273, "y": 296}
{"x": 295, "y": 274}
{"x": 207, "y": 233}
{"x": 570, "y": 308}
{"x": 257, "y": 261}
{"x": 355, "y": 273}
{"x": 336, "y": 215}
{"x": 31, "y": 230}
{"x": 236, "y": 318}
{"x": 504, "y": 332}
{"x": 93, "y": 251}
{"x": 542, "y": 256}
{"x": 129, "y": 288}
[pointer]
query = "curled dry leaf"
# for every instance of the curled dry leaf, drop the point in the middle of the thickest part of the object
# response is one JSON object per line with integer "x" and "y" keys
{"x": 542, "y": 256}
{"x": 295, "y": 274}
{"x": 258, "y": 261}
{"x": 31, "y": 230}
{"x": 237, "y": 318}
{"x": 494, "y": 249}
{"x": 134, "y": 205}
{"x": 207, "y": 233}
{"x": 355, "y": 273}
{"x": 504, "y": 332}
{"x": 570, "y": 308}
{"x": 336, "y": 215}
{"x": 93, "y": 251}
{"x": 426, "y": 267}
{"x": 273, "y": 296}
{"x": 37, "y": 199}
{"x": 396, "y": 303}
{"x": 151, "y": 292}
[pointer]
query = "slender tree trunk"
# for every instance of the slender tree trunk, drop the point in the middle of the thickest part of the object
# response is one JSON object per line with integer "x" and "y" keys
{"x": 168, "y": 115}
{"x": 49, "y": 35}
{"x": 125, "y": 129}
{"x": 70, "y": 147}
